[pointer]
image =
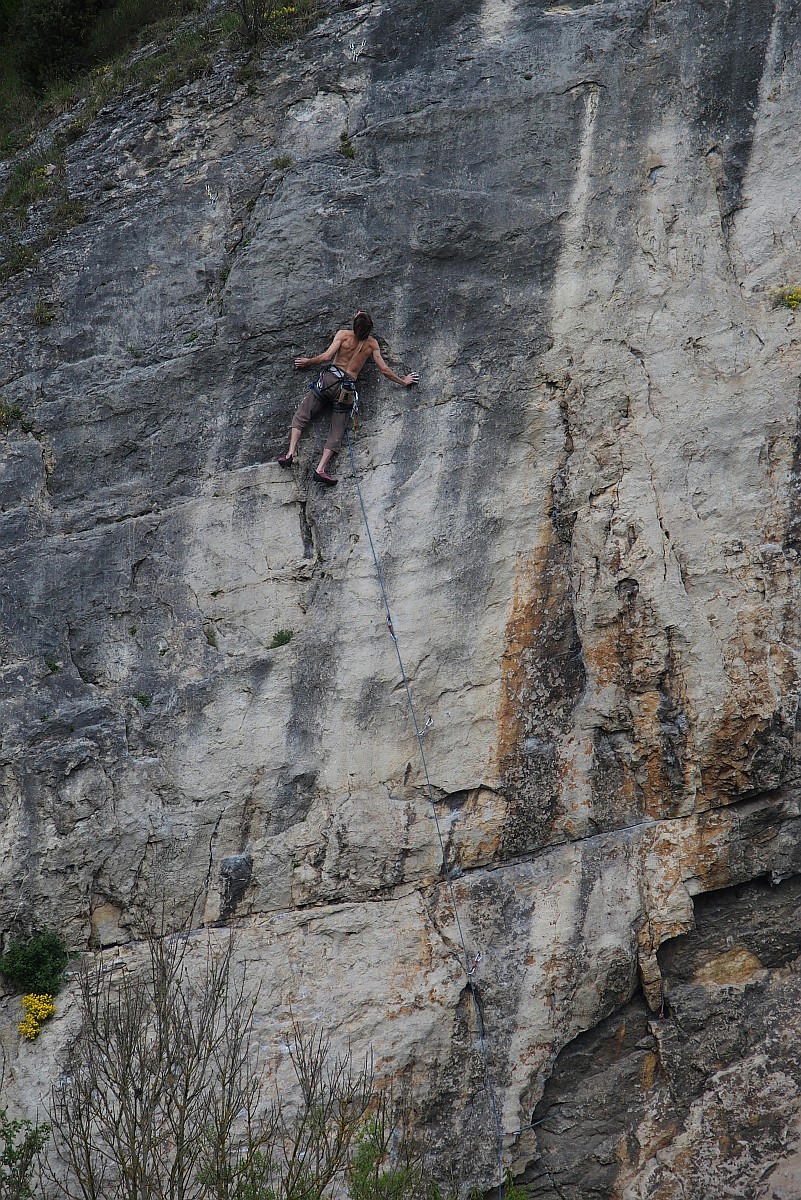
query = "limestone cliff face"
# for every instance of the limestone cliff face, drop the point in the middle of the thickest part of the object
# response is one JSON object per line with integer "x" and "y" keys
{"x": 569, "y": 218}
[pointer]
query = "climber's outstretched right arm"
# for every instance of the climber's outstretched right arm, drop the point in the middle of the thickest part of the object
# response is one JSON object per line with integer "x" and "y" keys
{"x": 327, "y": 355}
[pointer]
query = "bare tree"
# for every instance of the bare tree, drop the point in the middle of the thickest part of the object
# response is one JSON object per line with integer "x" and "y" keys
{"x": 274, "y": 21}
{"x": 314, "y": 1141}
{"x": 386, "y": 1162}
{"x": 165, "y": 1099}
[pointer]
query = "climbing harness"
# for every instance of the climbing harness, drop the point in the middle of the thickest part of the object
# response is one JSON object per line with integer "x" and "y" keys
{"x": 335, "y": 386}
{"x": 470, "y": 964}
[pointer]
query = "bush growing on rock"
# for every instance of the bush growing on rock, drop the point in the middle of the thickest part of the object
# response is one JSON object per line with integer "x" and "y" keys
{"x": 376, "y": 1171}
{"x": 36, "y": 965}
{"x": 787, "y": 297}
{"x": 276, "y": 21}
{"x": 37, "y": 1007}
{"x": 21, "y": 1143}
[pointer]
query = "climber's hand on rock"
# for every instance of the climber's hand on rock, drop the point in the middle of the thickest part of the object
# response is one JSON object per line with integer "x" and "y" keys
{"x": 411, "y": 378}
{"x": 301, "y": 362}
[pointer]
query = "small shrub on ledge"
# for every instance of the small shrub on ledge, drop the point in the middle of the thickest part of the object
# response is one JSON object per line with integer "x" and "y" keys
{"x": 9, "y": 413}
{"x": 282, "y": 638}
{"x": 43, "y": 313}
{"x": 36, "y": 965}
{"x": 787, "y": 297}
{"x": 346, "y": 146}
{"x": 36, "y": 968}
{"x": 273, "y": 22}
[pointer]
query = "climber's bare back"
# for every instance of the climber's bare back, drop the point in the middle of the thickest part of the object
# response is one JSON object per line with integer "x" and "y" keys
{"x": 352, "y": 354}
{"x": 349, "y": 352}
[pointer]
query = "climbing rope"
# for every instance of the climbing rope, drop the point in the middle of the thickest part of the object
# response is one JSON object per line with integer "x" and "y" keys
{"x": 471, "y": 966}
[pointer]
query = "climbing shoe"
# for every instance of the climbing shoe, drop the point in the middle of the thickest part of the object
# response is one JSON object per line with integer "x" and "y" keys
{"x": 285, "y": 460}
{"x": 328, "y": 480}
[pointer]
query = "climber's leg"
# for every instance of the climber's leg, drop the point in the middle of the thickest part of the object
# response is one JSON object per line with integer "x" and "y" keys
{"x": 308, "y": 408}
{"x": 336, "y": 432}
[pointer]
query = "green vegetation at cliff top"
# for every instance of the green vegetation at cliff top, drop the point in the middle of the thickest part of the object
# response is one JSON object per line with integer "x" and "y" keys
{"x": 53, "y": 53}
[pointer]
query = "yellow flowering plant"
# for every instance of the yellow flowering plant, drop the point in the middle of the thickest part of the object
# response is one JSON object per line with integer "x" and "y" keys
{"x": 787, "y": 297}
{"x": 36, "y": 1008}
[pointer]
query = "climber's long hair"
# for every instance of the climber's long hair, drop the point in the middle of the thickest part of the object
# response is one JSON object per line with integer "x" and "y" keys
{"x": 362, "y": 324}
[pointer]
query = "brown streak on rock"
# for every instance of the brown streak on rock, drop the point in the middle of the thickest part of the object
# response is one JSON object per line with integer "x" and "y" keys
{"x": 522, "y": 629}
{"x": 542, "y": 678}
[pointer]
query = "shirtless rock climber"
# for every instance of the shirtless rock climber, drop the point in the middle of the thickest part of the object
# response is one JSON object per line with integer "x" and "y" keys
{"x": 335, "y": 386}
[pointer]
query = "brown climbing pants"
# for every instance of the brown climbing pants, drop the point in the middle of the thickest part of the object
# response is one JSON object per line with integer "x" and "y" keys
{"x": 310, "y": 407}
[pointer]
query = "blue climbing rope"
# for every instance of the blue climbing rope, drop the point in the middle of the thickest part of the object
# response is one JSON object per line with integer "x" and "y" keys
{"x": 469, "y": 968}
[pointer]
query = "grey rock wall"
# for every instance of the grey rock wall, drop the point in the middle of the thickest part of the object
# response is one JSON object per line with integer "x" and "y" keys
{"x": 569, "y": 218}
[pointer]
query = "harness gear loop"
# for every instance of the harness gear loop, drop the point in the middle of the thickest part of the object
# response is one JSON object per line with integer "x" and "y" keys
{"x": 334, "y": 386}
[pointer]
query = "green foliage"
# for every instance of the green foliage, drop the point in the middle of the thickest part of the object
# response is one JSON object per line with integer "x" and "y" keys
{"x": 54, "y": 40}
{"x": 68, "y": 212}
{"x": 184, "y": 59}
{"x": 9, "y": 413}
{"x": 281, "y": 638}
{"x": 282, "y": 163}
{"x": 274, "y": 21}
{"x": 16, "y": 257}
{"x": 346, "y": 146}
{"x": 52, "y": 52}
{"x": 122, "y": 24}
{"x": 21, "y": 1143}
{"x": 43, "y": 313}
{"x": 144, "y": 700}
{"x": 36, "y": 965}
{"x": 51, "y": 39}
{"x": 371, "y": 1176}
{"x": 29, "y": 181}
{"x": 787, "y": 297}
{"x": 512, "y": 1190}
{"x": 55, "y": 52}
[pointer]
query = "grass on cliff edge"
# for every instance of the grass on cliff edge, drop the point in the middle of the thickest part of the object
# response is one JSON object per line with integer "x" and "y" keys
{"x": 53, "y": 53}
{"x": 123, "y": 45}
